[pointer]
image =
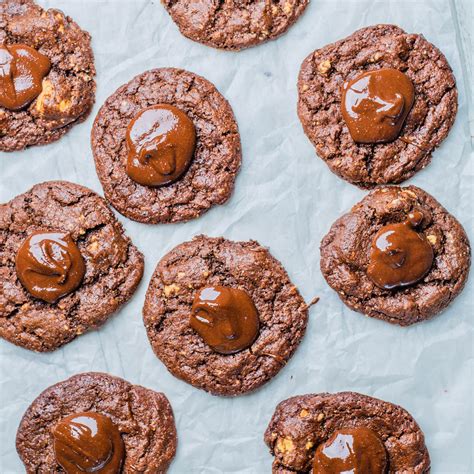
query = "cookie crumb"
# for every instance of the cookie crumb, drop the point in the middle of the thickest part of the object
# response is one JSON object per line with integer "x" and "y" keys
{"x": 287, "y": 8}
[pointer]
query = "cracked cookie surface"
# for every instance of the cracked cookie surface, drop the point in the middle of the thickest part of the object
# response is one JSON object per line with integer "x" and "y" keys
{"x": 300, "y": 424}
{"x": 114, "y": 266}
{"x": 247, "y": 266}
{"x": 345, "y": 256}
{"x": 68, "y": 91}
{"x": 210, "y": 178}
{"x": 320, "y": 82}
{"x": 144, "y": 418}
{"x": 234, "y": 24}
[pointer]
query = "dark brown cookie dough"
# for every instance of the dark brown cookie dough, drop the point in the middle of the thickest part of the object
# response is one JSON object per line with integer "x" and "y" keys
{"x": 68, "y": 90}
{"x": 234, "y": 25}
{"x": 320, "y": 81}
{"x": 210, "y": 178}
{"x": 300, "y": 424}
{"x": 114, "y": 266}
{"x": 144, "y": 418}
{"x": 345, "y": 256}
{"x": 215, "y": 261}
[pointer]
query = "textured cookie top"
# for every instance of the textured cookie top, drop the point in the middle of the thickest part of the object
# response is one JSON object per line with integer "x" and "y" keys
{"x": 345, "y": 256}
{"x": 300, "y": 424}
{"x": 210, "y": 178}
{"x": 113, "y": 264}
{"x": 143, "y": 417}
{"x": 232, "y": 24}
{"x": 247, "y": 266}
{"x": 320, "y": 82}
{"x": 68, "y": 90}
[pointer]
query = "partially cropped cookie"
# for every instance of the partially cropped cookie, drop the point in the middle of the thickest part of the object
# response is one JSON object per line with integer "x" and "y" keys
{"x": 397, "y": 255}
{"x": 166, "y": 147}
{"x": 222, "y": 315}
{"x": 345, "y": 432}
{"x": 234, "y": 25}
{"x": 66, "y": 265}
{"x": 47, "y": 76}
{"x": 94, "y": 422}
{"x": 376, "y": 104}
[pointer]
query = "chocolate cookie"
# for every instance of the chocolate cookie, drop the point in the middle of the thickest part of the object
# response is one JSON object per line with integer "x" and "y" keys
{"x": 344, "y": 432}
{"x": 142, "y": 140}
{"x": 48, "y": 52}
{"x": 234, "y": 25}
{"x": 112, "y": 424}
{"x": 222, "y": 315}
{"x": 66, "y": 265}
{"x": 398, "y": 255}
{"x": 376, "y": 104}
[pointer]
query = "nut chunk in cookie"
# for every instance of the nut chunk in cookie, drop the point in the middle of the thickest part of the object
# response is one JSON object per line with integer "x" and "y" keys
{"x": 345, "y": 432}
{"x": 166, "y": 147}
{"x": 66, "y": 265}
{"x": 376, "y": 104}
{"x": 397, "y": 255}
{"x": 46, "y": 75}
{"x": 223, "y": 316}
{"x": 95, "y": 422}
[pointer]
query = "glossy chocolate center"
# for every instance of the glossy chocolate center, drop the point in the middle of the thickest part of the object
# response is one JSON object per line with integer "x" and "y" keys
{"x": 400, "y": 256}
{"x": 22, "y": 70}
{"x": 351, "y": 451}
{"x": 161, "y": 141}
{"x": 375, "y": 105}
{"x": 88, "y": 442}
{"x": 226, "y": 318}
{"x": 50, "y": 265}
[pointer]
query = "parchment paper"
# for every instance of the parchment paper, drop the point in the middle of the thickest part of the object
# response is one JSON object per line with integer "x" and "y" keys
{"x": 286, "y": 198}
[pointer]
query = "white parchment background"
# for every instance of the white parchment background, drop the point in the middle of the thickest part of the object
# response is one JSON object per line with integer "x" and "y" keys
{"x": 286, "y": 198}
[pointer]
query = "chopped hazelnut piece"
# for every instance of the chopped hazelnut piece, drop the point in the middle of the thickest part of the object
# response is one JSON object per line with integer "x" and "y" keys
{"x": 410, "y": 193}
{"x": 64, "y": 105}
{"x": 324, "y": 67}
{"x": 46, "y": 92}
{"x": 93, "y": 246}
{"x": 284, "y": 445}
{"x": 376, "y": 57}
{"x": 171, "y": 289}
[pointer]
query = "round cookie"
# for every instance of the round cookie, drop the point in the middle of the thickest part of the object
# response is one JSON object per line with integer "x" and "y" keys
{"x": 234, "y": 25}
{"x": 345, "y": 256}
{"x": 211, "y": 175}
{"x": 68, "y": 89}
{"x": 246, "y": 266}
{"x": 143, "y": 417}
{"x": 300, "y": 424}
{"x": 113, "y": 265}
{"x": 320, "y": 84}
